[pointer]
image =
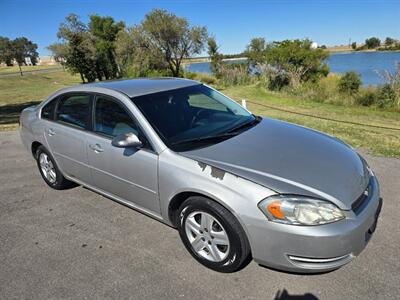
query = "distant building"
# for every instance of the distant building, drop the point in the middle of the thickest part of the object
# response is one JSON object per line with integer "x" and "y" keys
{"x": 314, "y": 45}
{"x": 46, "y": 61}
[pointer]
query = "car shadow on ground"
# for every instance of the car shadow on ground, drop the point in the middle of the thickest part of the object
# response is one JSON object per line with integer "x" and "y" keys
{"x": 284, "y": 295}
{"x": 9, "y": 114}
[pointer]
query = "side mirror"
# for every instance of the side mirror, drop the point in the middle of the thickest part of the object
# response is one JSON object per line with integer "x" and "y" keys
{"x": 126, "y": 140}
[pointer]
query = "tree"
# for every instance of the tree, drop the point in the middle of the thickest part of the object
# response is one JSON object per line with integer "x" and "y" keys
{"x": 6, "y": 52}
{"x": 135, "y": 55}
{"x": 23, "y": 48}
{"x": 175, "y": 38}
{"x": 215, "y": 56}
{"x": 103, "y": 32}
{"x": 60, "y": 52}
{"x": 350, "y": 83}
{"x": 354, "y": 45}
{"x": 389, "y": 41}
{"x": 256, "y": 51}
{"x": 297, "y": 60}
{"x": 75, "y": 47}
{"x": 372, "y": 43}
{"x": 88, "y": 49}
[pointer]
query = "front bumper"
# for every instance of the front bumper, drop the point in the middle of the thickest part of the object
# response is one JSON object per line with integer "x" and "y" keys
{"x": 314, "y": 249}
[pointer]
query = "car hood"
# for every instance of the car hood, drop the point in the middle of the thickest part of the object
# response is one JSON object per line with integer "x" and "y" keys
{"x": 291, "y": 159}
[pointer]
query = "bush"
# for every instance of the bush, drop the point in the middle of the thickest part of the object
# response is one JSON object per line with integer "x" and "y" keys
{"x": 386, "y": 96}
{"x": 205, "y": 78}
{"x": 349, "y": 83}
{"x": 190, "y": 75}
{"x": 272, "y": 78}
{"x": 234, "y": 74}
{"x": 367, "y": 97}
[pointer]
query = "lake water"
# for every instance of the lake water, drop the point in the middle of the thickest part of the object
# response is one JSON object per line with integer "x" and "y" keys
{"x": 367, "y": 64}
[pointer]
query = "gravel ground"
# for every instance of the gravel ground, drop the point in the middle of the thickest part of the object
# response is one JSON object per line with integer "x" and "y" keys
{"x": 78, "y": 244}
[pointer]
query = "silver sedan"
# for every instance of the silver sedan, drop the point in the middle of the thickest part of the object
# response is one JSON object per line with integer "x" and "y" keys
{"x": 236, "y": 186}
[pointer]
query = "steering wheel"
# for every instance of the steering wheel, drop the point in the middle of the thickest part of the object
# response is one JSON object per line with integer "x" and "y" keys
{"x": 196, "y": 117}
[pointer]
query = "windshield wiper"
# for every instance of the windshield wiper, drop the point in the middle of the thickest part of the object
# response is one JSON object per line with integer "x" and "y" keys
{"x": 205, "y": 138}
{"x": 256, "y": 120}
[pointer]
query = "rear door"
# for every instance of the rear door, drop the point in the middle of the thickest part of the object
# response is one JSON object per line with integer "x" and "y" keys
{"x": 128, "y": 173}
{"x": 66, "y": 135}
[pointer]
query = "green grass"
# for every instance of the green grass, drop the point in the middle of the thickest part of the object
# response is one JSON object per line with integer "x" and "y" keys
{"x": 18, "y": 92}
{"x": 12, "y": 69}
{"x": 378, "y": 141}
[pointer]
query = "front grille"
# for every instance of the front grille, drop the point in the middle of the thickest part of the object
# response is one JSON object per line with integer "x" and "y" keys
{"x": 358, "y": 204}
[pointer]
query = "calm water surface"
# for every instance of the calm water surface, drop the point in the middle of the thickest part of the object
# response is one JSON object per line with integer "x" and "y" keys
{"x": 368, "y": 64}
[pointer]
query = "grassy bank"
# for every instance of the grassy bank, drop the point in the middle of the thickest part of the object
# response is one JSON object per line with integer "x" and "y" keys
{"x": 379, "y": 141}
{"x": 18, "y": 92}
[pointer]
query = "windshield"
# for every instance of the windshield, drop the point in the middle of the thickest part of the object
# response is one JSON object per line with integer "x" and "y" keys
{"x": 193, "y": 117}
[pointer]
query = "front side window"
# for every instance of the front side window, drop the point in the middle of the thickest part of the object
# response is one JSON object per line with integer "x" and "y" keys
{"x": 193, "y": 116}
{"x": 111, "y": 119}
{"x": 74, "y": 110}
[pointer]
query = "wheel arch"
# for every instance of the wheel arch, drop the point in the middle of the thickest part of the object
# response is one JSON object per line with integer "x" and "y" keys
{"x": 35, "y": 145}
{"x": 180, "y": 197}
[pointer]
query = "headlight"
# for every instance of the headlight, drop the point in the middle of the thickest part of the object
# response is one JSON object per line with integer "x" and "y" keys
{"x": 298, "y": 210}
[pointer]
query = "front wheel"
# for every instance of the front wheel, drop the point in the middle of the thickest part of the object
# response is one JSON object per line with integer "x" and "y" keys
{"x": 212, "y": 235}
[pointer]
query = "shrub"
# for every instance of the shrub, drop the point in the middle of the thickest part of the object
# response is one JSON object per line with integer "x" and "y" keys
{"x": 234, "y": 74}
{"x": 272, "y": 78}
{"x": 205, "y": 78}
{"x": 367, "y": 97}
{"x": 190, "y": 75}
{"x": 386, "y": 96}
{"x": 349, "y": 83}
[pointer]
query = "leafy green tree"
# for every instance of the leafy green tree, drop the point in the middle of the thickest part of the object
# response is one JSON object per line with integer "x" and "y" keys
{"x": 297, "y": 60}
{"x": 215, "y": 56}
{"x": 103, "y": 33}
{"x": 389, "y": 41}
{"x": 372, "y": 43}
{"x": 350, "y": 83}
{"x": 76, "y": 48}
{"x": 175, "y": 38}
{"x": 6, "y": 52}
{"x": 256, "y": 51}
{"x": 23, "y": 48}
{"x": 136, "y": 56}
{"x": 354, "y": 45}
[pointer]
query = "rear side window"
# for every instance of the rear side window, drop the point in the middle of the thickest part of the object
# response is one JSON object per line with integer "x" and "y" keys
{"x": 48, "y": 110}
{"x": 74, "y": 110}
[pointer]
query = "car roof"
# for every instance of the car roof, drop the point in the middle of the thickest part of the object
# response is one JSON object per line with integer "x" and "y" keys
{"x": 143, "y": 86}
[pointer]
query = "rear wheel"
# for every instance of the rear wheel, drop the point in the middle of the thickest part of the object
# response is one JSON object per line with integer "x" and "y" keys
{"x": 212, "y": 235}
{"x": 49, "y": 170}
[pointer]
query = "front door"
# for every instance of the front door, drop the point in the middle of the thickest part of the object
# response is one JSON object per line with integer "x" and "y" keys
{"x": 128, "y": 173}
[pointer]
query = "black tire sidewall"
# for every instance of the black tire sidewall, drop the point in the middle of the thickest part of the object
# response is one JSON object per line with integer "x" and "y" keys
{"x": 237, "y": 254}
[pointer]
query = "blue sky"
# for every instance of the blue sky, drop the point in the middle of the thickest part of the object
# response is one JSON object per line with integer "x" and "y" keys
{"x": 233, "y": 23}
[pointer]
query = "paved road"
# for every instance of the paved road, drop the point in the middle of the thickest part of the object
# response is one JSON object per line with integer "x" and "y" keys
{"x": 77, "y": 244}
{"x": 49, "y": 70}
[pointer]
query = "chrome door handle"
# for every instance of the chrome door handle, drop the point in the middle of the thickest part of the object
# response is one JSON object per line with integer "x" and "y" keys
{"x": 51, "y": 132}
{"x": 96, "y": 148}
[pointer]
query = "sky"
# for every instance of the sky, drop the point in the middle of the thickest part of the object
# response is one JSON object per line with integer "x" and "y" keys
{"x": 233, "y": 23}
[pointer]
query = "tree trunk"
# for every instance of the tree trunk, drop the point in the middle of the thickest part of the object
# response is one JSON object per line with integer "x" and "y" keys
{"x": 20, "y": 70}
{"x": 83, "y": 78}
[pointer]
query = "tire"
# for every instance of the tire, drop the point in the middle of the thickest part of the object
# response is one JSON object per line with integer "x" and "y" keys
{"x": 55, "y": 180}
{"x": 220, "y": 241}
